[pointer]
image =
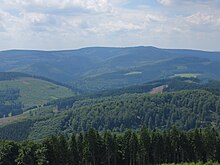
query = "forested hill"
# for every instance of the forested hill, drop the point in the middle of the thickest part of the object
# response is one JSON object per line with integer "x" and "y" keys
{"x": 183, "y": 109}
{"x": 153, "y": 87}
{"x": 100, "y": 68}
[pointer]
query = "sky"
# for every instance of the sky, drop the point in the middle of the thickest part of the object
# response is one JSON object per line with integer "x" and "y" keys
{"x": 71, "y": 24}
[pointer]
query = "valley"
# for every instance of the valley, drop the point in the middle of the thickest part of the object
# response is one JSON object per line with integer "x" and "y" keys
{"x": 99, "y": 68}
{"x": 110, "y": 82}
{"x": 109, "y": 89}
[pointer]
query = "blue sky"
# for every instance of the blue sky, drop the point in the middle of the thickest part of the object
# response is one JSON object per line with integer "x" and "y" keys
{"x": 70, "y": 24}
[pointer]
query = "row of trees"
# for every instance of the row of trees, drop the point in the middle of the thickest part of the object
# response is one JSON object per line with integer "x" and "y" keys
{"x": 16, "y": 131}
{"x": 11, "y": 75}
{"x": 130, "y": 148}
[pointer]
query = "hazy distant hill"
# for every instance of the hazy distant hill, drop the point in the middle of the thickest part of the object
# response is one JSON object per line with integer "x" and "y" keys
{"x": 99, "y": 68}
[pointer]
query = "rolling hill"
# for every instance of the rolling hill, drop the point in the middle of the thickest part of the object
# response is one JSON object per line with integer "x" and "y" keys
{"x": 33, "y": 91}
{"x": 113, "y": 90}
{"x": 99, "y": 68}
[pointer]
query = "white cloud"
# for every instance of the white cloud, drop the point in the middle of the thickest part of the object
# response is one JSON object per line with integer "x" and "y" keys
{"x": 155, "y": 18}
{"x": 48, "y": 5}
{"x": 181, "y": 3}
{"x": 34, "y": 17}
{"x": 116, "y": 26}
{"x": 65, "y": 24}
{"x": 166, "y": 2}
{"x": 208, "y": 21}
{"x": 199, "y": 18}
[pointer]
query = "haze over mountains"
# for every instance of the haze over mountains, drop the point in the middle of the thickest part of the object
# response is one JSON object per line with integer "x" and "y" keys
{"x": 114, "y": 104}
{"x": 48, "y": 92}
{"x": 98, "y": 68}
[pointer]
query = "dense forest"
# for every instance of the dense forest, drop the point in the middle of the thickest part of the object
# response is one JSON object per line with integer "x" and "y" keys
{"x": 186, "y": 110}
{"x": 9, "y": 103}
{"x": 172, "y": 85}
{"x": 128, "y": 148}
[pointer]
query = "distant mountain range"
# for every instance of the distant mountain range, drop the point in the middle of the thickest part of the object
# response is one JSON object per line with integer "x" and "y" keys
{"x": 43, "y": 93}
{"x": 98, "y": 68}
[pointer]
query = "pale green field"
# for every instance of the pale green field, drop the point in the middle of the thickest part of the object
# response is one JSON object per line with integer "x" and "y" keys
{"x": 35, "y": 91}
{"x": 12, "y": 119}
{"x": 133, "y": 73}
{"x": 188, "y": 75}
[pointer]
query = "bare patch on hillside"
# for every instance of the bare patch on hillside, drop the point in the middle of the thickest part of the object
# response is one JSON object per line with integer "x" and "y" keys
{"x": 12, "y": 119}
{"x": 159, "y": 89}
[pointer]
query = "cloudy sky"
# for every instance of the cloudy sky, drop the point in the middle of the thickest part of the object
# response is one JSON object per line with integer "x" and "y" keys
{"x": 70, "y": 24}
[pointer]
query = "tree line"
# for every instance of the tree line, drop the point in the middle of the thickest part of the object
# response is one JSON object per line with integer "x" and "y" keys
{"x": 107, "y": 148}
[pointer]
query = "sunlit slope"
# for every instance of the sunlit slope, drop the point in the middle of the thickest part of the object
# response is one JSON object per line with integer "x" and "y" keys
{"x": 35, "y": 91}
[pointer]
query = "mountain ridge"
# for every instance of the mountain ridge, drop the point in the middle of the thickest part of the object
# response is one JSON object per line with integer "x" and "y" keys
{"x": 115, "y": 47}
{"x": 77, "y": 67}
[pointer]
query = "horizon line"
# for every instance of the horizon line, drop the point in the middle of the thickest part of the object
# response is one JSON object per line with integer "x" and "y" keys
{"x": 116, "y": 47}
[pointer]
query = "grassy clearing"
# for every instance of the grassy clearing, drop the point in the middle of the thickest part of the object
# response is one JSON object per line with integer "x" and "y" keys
{"x": 132, "y": 73}
{"x": 35, "y": 91}
{"x": 190, "y": 81}
{"x": 188, "y": 75}
{"x": 12, "y": 119}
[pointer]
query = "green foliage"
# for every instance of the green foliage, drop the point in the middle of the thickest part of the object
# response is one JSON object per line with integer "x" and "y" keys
{"x": 117, "y": 111}
{"x": 8, "y": 152}
{"x": 199, "y": 163}
{"x": 16, "y": 131}
{"x": 129, "y": 148}
{"x": 184, "y": 109}
{"x": 173, "y": 84}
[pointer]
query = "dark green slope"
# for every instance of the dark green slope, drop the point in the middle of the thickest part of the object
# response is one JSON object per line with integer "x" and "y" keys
{"x": 173, "y": 84}
{"x": 204, "y": 68}
{"x": 153, "y": 87}
{"x": 185, "y": 110}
